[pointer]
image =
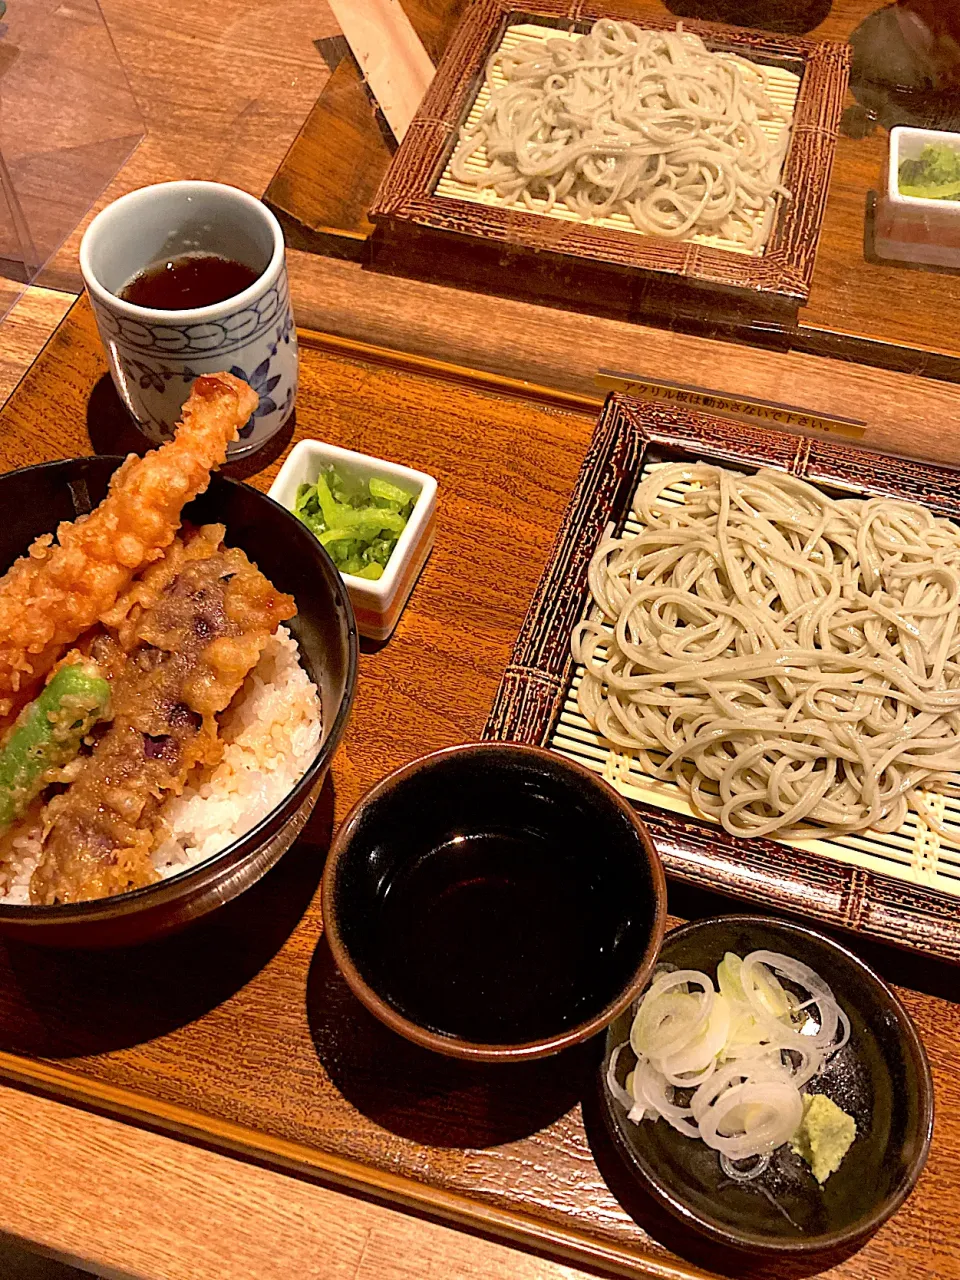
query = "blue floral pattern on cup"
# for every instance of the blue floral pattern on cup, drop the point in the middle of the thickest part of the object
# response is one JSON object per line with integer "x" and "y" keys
{"x": 151, "y": 378}
{"x": 199, "y": 338}
{"x": 155, "y": 364}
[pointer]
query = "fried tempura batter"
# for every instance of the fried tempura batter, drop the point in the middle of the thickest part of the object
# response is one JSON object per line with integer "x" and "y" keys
{"x": 58, "y": 590}
{"x": 189, "y": 652}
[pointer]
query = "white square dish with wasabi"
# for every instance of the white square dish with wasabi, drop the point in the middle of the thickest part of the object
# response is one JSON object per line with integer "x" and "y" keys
{"x": 933, "y": 174}
{"x": 917, "y": 216}
{"x": 375, "y": 518}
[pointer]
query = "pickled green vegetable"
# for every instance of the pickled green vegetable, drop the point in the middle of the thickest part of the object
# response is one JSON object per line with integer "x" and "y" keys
{"x": 934, "y": 175}
{"x": 357, "y": 521}
{"x": 47, "y": 734}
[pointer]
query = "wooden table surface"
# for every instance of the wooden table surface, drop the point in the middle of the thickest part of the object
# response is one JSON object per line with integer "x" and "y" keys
{"x": 116, "y": 1198}
{"x": 223, "y": 87}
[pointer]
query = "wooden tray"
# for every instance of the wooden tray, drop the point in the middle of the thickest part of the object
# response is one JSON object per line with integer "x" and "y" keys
{"x": 239, "y": 1034}
{"x": 417, "y": 194}
{"x": 892, "y": 888}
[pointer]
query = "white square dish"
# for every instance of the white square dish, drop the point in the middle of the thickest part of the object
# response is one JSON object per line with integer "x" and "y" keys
{"x": 377, "y": 604}
{"x": 915, "y": 228}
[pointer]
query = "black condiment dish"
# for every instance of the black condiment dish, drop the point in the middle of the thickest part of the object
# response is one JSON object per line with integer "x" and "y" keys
{"x": 494, "y": 902}
{"x": 34, "y": 500}
{"x": 881, "y": 1077}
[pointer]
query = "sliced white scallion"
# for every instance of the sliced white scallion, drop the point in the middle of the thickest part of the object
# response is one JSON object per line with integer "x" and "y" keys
{"x": 756, "y": 976}
{"x": 668, "y": 1018}
{"x": 741, "y": 1052}
{"x": 759, "y": 1167}
{"x": 752, "y": 1118}
{"x": 696, "y": 1060}
{"x": 619, "y": 1092}
{"x": 652, "y": 1092}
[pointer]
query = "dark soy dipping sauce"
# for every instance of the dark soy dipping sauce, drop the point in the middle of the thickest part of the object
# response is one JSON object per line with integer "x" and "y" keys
{"x": 192, "y": 280}
{"x": 499, "y": 937}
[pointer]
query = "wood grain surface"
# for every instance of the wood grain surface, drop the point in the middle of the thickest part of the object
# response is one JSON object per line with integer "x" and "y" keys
{"x": 562, "y": 350}
{"x": 24, "y": 329}
{"x": 860, "y": 307}
{"x": 220, "y": 100}
{"x": 542, "y": 347}
{"x": 324, "y": 206}
{"x": 223, "y": 87}
{"x": 249, "y": 1039}
{"x": 147, "y": 1206}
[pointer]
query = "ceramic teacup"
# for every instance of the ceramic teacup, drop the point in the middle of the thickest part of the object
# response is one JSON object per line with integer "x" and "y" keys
{"x": 155, "y": 355}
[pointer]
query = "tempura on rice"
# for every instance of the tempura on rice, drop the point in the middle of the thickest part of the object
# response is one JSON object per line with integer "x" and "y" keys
{"x": 175, "y": 713}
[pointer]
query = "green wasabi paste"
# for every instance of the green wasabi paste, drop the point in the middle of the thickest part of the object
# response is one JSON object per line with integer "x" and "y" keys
{"x": 825, "y": 1135}
{"x": 934, "y": 175}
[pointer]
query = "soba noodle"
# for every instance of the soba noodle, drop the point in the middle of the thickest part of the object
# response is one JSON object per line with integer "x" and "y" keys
{"x": 787, "y": 658}
{"x": 626, "y": 120}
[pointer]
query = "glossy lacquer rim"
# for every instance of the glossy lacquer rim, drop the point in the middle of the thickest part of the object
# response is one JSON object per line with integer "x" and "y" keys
{"x": 456, "y": 1047}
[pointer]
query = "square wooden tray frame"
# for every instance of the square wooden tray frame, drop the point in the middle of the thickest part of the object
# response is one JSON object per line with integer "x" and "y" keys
{"x": 534, "y": 686}
{"x": 406, "y": 197}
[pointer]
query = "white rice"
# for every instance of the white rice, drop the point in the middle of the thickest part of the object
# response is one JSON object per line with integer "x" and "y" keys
{"x": 271, "y": 732}
{"x": 27, "y": 855}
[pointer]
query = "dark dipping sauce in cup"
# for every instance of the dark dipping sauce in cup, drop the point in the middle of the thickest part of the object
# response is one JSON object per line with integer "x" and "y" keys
{"x": 190, "y": 281}
{"x": 493, "y": 901}
{"x": 493, "y": 936}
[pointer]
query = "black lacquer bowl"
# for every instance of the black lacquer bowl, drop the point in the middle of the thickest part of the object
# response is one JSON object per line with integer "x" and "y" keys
{"x": 494, "y": 902}
{"x": 881, "y": 1077}
{"x": 33, "y": 501}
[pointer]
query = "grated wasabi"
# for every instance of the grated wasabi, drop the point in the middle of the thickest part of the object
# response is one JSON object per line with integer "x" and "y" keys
{"x": 824, "y": 1135}
{"x": 934, "y": 175}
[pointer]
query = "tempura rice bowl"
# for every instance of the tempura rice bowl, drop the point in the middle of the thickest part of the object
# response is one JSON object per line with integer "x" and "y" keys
{"x": 280, "y": 731}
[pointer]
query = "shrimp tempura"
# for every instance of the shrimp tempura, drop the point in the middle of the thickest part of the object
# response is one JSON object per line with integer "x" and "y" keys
{"x": 59, "y": 589}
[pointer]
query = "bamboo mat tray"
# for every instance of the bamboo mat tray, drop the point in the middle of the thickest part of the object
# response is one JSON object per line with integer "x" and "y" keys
{"x": 902, "y": 887}
{"x": 782, "y": 88}
{"x": 240, "y": 1035}
{"x": 423, "y": 214}
{"x": 860, "y": 308}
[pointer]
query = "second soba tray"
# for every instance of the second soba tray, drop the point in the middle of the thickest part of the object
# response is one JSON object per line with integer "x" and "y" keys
{"x": 902, "y": 887}
{"x": 421, "y": 197}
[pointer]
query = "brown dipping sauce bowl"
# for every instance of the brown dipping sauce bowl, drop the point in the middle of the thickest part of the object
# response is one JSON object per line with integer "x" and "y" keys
{"x": 494, "y": 902}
